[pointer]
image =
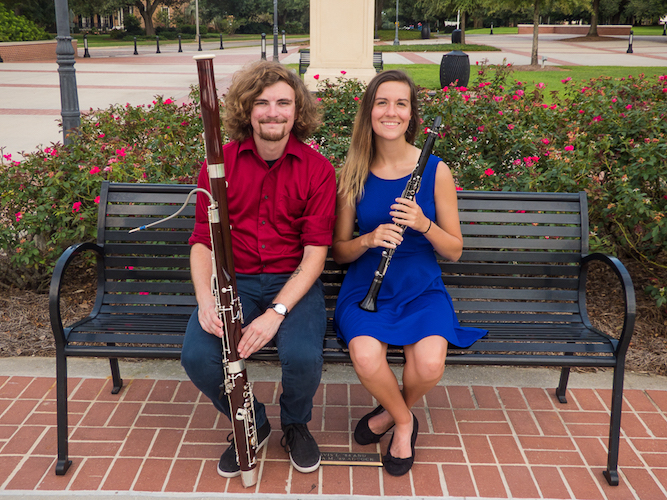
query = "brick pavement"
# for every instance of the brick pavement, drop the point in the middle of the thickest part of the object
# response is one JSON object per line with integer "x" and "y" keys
{"x": 475, "y": 442}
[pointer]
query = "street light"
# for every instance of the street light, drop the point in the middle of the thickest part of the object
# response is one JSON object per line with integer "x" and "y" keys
{"x": 69, "y": 98}
{"x": 396, "y": 42}
{"x": 197, "y": 22}
{"x": 275, "y": 30}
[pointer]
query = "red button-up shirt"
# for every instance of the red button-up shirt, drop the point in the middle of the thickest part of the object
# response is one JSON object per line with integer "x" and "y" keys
{"x": 274, "y": 212}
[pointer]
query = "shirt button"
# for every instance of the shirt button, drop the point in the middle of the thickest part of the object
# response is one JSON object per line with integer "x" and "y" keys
{"x": 263, "y": 222}
{"x": 266, "y": 196}
{"x": 263, "y": 246}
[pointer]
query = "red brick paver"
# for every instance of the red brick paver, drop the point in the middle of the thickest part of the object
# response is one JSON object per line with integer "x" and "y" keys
{"x": 477, "y": 441}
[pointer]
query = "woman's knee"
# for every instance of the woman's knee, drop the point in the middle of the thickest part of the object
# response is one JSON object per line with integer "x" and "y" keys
{"x": 366, "y": 359}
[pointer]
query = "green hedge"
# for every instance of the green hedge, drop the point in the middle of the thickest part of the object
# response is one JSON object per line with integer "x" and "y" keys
{"x": 15, "y": 28}
{"x": 606, "y": 137}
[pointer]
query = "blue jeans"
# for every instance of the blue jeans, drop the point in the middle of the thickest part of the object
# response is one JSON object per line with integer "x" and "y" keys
{"x": 299, "y": 343}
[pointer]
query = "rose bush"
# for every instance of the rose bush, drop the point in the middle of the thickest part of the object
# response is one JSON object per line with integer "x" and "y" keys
{"x": 606, "y": 137}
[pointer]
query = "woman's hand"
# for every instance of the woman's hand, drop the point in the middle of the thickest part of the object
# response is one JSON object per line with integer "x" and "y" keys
{"x": 385, "y": 235}
{"x": 408, "y": 213}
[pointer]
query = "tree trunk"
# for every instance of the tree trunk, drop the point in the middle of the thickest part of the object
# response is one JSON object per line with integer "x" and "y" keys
{"x": 536, "y": 30}
{"x": 379, "y": 6}
{"x": 147, "y": 12}
{"x": 593, "y": 31}
{"x": 463, "y": 27}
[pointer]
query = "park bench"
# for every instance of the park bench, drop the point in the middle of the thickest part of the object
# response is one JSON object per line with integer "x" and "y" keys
{"x": 304, "y": 61}
{"x": 522, "y": 276}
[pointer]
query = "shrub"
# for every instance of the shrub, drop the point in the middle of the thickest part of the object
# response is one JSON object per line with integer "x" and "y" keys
{"x": 15, "y": 28}
{"x": 133, "y": 25}
{"x": 606, "y": 137}
{"x": 49, "y": 200}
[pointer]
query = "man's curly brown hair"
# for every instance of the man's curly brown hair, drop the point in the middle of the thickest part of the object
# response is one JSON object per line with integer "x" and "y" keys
{"x": 250, "y": 82}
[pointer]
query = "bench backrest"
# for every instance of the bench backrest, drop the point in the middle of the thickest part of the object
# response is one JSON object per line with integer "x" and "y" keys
{"x": 521, "y": 259}
{"x": 146, "y": 271}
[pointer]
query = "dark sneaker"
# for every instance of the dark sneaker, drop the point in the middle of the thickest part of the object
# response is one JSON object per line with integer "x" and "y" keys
{"x": 228, "y": 466}
{"x": 301, "y": 446}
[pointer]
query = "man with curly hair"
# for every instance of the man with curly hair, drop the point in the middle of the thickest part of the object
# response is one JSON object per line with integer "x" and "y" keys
{"x": 281, "y": 201}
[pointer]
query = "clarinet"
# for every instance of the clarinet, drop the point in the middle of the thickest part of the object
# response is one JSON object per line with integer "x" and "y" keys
{"x": 411, "y": 189}
{"x": 223, "y": 283}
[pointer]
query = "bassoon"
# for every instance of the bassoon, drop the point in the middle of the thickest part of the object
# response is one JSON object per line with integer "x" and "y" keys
{"x": 235, "y": 385}
{"x": 411, "y": 189}
{"x": 223, "y": 282}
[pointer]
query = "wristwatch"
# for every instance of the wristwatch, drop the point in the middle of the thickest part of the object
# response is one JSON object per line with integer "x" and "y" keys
{"x": 279, "y": 308}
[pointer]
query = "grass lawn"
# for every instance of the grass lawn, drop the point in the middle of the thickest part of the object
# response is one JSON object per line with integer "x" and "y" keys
{"x": 440, "y": 47}
{"x": 428, "y": 75}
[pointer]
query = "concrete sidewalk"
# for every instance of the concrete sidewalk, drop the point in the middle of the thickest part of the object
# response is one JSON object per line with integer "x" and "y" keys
{"x": 30, "y": 92}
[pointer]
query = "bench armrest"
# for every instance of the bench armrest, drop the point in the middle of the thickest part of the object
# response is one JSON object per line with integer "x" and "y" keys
{"x": 628, "y": 290}
{"x": 56, "y": 282}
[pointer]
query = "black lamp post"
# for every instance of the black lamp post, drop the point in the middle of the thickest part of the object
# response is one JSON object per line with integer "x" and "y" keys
{"x": 275, "y": 31}
{"x": 396, "y": 42}
{"x": 69, "y": 98}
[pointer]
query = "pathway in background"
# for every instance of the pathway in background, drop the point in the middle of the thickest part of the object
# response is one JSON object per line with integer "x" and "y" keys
{"x": 30, "y": 102}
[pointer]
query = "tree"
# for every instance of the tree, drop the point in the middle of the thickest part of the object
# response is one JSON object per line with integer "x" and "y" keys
{"x": 147, "y": 9}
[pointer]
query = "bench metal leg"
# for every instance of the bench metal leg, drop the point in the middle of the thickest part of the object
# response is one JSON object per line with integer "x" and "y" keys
{"x": 611, "y": 474}
{"x": 562, "y": 385}
{"x": 115, "y": 376}
{"x": 63, "y": 462}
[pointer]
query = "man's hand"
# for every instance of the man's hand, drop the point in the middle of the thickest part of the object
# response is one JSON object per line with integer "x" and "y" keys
{"x": 259, "y": 332}
{"x": 208, "y": 318}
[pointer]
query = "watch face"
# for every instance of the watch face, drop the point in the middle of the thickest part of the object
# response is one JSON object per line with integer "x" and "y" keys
{"x": 280, "y": 308}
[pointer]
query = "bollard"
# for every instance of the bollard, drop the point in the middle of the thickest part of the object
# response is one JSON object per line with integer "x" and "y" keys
{"x": 544, "y": 61}
{"x": 284, "y": 44}
{"x": 85, "y": 45}
{"x": 1, "y": 61}
{"x": 157, "y": 42}
{"x": 135, "y": 46}
{"x": 491, "y": 33}
{"x": 221, "y": 47}
{"x": 664, "y": 28}
{"x": 180, "y": 49}
{"x": 199, "y": 49}
{"x": 263, "y": 46}
{"x": 629, "y": 51}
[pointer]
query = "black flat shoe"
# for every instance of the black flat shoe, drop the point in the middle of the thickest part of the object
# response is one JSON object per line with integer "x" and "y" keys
{"x": 363, "y": 434}
{"x": 400, "y": 466}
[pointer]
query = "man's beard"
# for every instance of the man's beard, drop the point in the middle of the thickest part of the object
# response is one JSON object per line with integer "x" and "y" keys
{"x": 272, "y": 136}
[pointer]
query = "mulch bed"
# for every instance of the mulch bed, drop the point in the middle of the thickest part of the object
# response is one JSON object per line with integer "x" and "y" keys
{"x": 25, "y": 328}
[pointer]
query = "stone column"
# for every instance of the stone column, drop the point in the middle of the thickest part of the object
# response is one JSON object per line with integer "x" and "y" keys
{"x": 341, "y": 39}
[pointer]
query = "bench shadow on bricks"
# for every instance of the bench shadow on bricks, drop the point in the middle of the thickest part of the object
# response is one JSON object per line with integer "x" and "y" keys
{"x": 522, "y": 276}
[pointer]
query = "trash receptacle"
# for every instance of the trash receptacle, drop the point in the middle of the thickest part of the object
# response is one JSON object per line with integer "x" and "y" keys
{"x": 456, "y": 36}
{"x": 454, "y": 69}
{"x": 426, "y": 31}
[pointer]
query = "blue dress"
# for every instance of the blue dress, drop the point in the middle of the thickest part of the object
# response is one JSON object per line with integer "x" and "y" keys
{"x": 412, "y": 303}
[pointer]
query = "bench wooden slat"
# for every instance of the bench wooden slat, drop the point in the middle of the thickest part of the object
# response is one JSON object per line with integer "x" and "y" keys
{"x": 515, "y": 243}
{"x": 452, "y": 281}
{"x": 146, "y": 249}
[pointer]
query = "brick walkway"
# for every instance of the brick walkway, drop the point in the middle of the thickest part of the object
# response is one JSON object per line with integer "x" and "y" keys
{"x": 475, "y": 441}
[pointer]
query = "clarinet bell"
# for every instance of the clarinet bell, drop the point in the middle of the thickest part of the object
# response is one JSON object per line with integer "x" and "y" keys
{"x": 370, "y": 302}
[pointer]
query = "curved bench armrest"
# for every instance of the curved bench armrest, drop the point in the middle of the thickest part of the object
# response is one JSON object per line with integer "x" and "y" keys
{"x": 56, "y": 282}
{"x": 628, "y": 291}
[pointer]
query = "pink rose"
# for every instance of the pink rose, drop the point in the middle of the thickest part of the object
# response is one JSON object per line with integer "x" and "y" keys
{"x": 94, "y": 170}
{"x": 97, "y": 200}
{"x": 76, "y": 207}
{"x": 569, "y": 148}
{"x": 545, "y": 141}
{"x": 18, "y": 216}
{"x": 317, "y": 77}
{"x": 489, "y": 172}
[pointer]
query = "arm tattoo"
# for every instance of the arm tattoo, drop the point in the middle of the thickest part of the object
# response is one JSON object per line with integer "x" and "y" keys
{"x": 296, "y": 271}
